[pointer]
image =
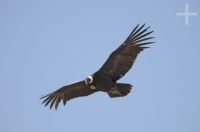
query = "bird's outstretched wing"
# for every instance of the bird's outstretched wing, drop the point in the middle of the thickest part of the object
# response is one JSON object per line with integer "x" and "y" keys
{"x": 122, "y": 59}
{"x": 66, "y": 93}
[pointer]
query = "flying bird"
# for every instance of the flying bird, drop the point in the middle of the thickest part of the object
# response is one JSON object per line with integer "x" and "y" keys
{"x": 105, "y": 79}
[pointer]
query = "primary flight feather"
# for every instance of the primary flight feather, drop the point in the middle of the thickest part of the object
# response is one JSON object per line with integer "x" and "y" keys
{"x": 105, "y": 79}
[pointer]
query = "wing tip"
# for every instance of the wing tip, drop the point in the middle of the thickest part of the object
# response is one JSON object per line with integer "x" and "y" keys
{"x": 52, "y": 100}
{"x": 139, "y": 34}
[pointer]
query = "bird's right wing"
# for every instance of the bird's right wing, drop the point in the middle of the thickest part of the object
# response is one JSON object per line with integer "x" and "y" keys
{"x": 66, "y": 93}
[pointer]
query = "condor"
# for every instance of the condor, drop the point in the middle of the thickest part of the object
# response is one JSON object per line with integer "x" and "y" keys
{"x": 105, "y": 79}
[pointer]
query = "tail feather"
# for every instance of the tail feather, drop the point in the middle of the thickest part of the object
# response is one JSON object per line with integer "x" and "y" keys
{"x": 120, "y": 90}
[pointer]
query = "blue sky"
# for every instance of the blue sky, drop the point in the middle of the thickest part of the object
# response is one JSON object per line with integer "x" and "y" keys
{"x": 47, "y": 44}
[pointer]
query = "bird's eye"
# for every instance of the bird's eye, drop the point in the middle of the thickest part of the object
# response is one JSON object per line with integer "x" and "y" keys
{"x": 88, "y": 80}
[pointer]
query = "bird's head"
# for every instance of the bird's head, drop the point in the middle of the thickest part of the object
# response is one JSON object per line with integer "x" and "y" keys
{"x": 88, "y": 80}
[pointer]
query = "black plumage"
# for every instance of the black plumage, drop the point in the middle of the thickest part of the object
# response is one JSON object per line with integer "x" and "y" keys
{"x": 105, "y": 79}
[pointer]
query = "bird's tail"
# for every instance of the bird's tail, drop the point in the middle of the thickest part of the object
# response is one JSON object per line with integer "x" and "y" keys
{"x": 120, "y": 90}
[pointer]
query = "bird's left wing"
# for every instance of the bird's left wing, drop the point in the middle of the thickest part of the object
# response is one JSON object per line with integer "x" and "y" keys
{"x": 122, "y": 59}
{"x": 66, "y": 93}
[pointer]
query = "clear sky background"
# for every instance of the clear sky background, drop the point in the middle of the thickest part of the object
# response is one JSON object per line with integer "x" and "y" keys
{"x": 46, "y": 44}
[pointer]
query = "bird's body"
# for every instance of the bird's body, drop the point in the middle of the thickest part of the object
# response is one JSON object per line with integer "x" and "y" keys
{"x": 105, "y": 79}
{"x": 99, "y": 82}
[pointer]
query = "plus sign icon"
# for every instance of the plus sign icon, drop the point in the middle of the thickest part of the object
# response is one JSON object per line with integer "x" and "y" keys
{"x": 186, "y": 14}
